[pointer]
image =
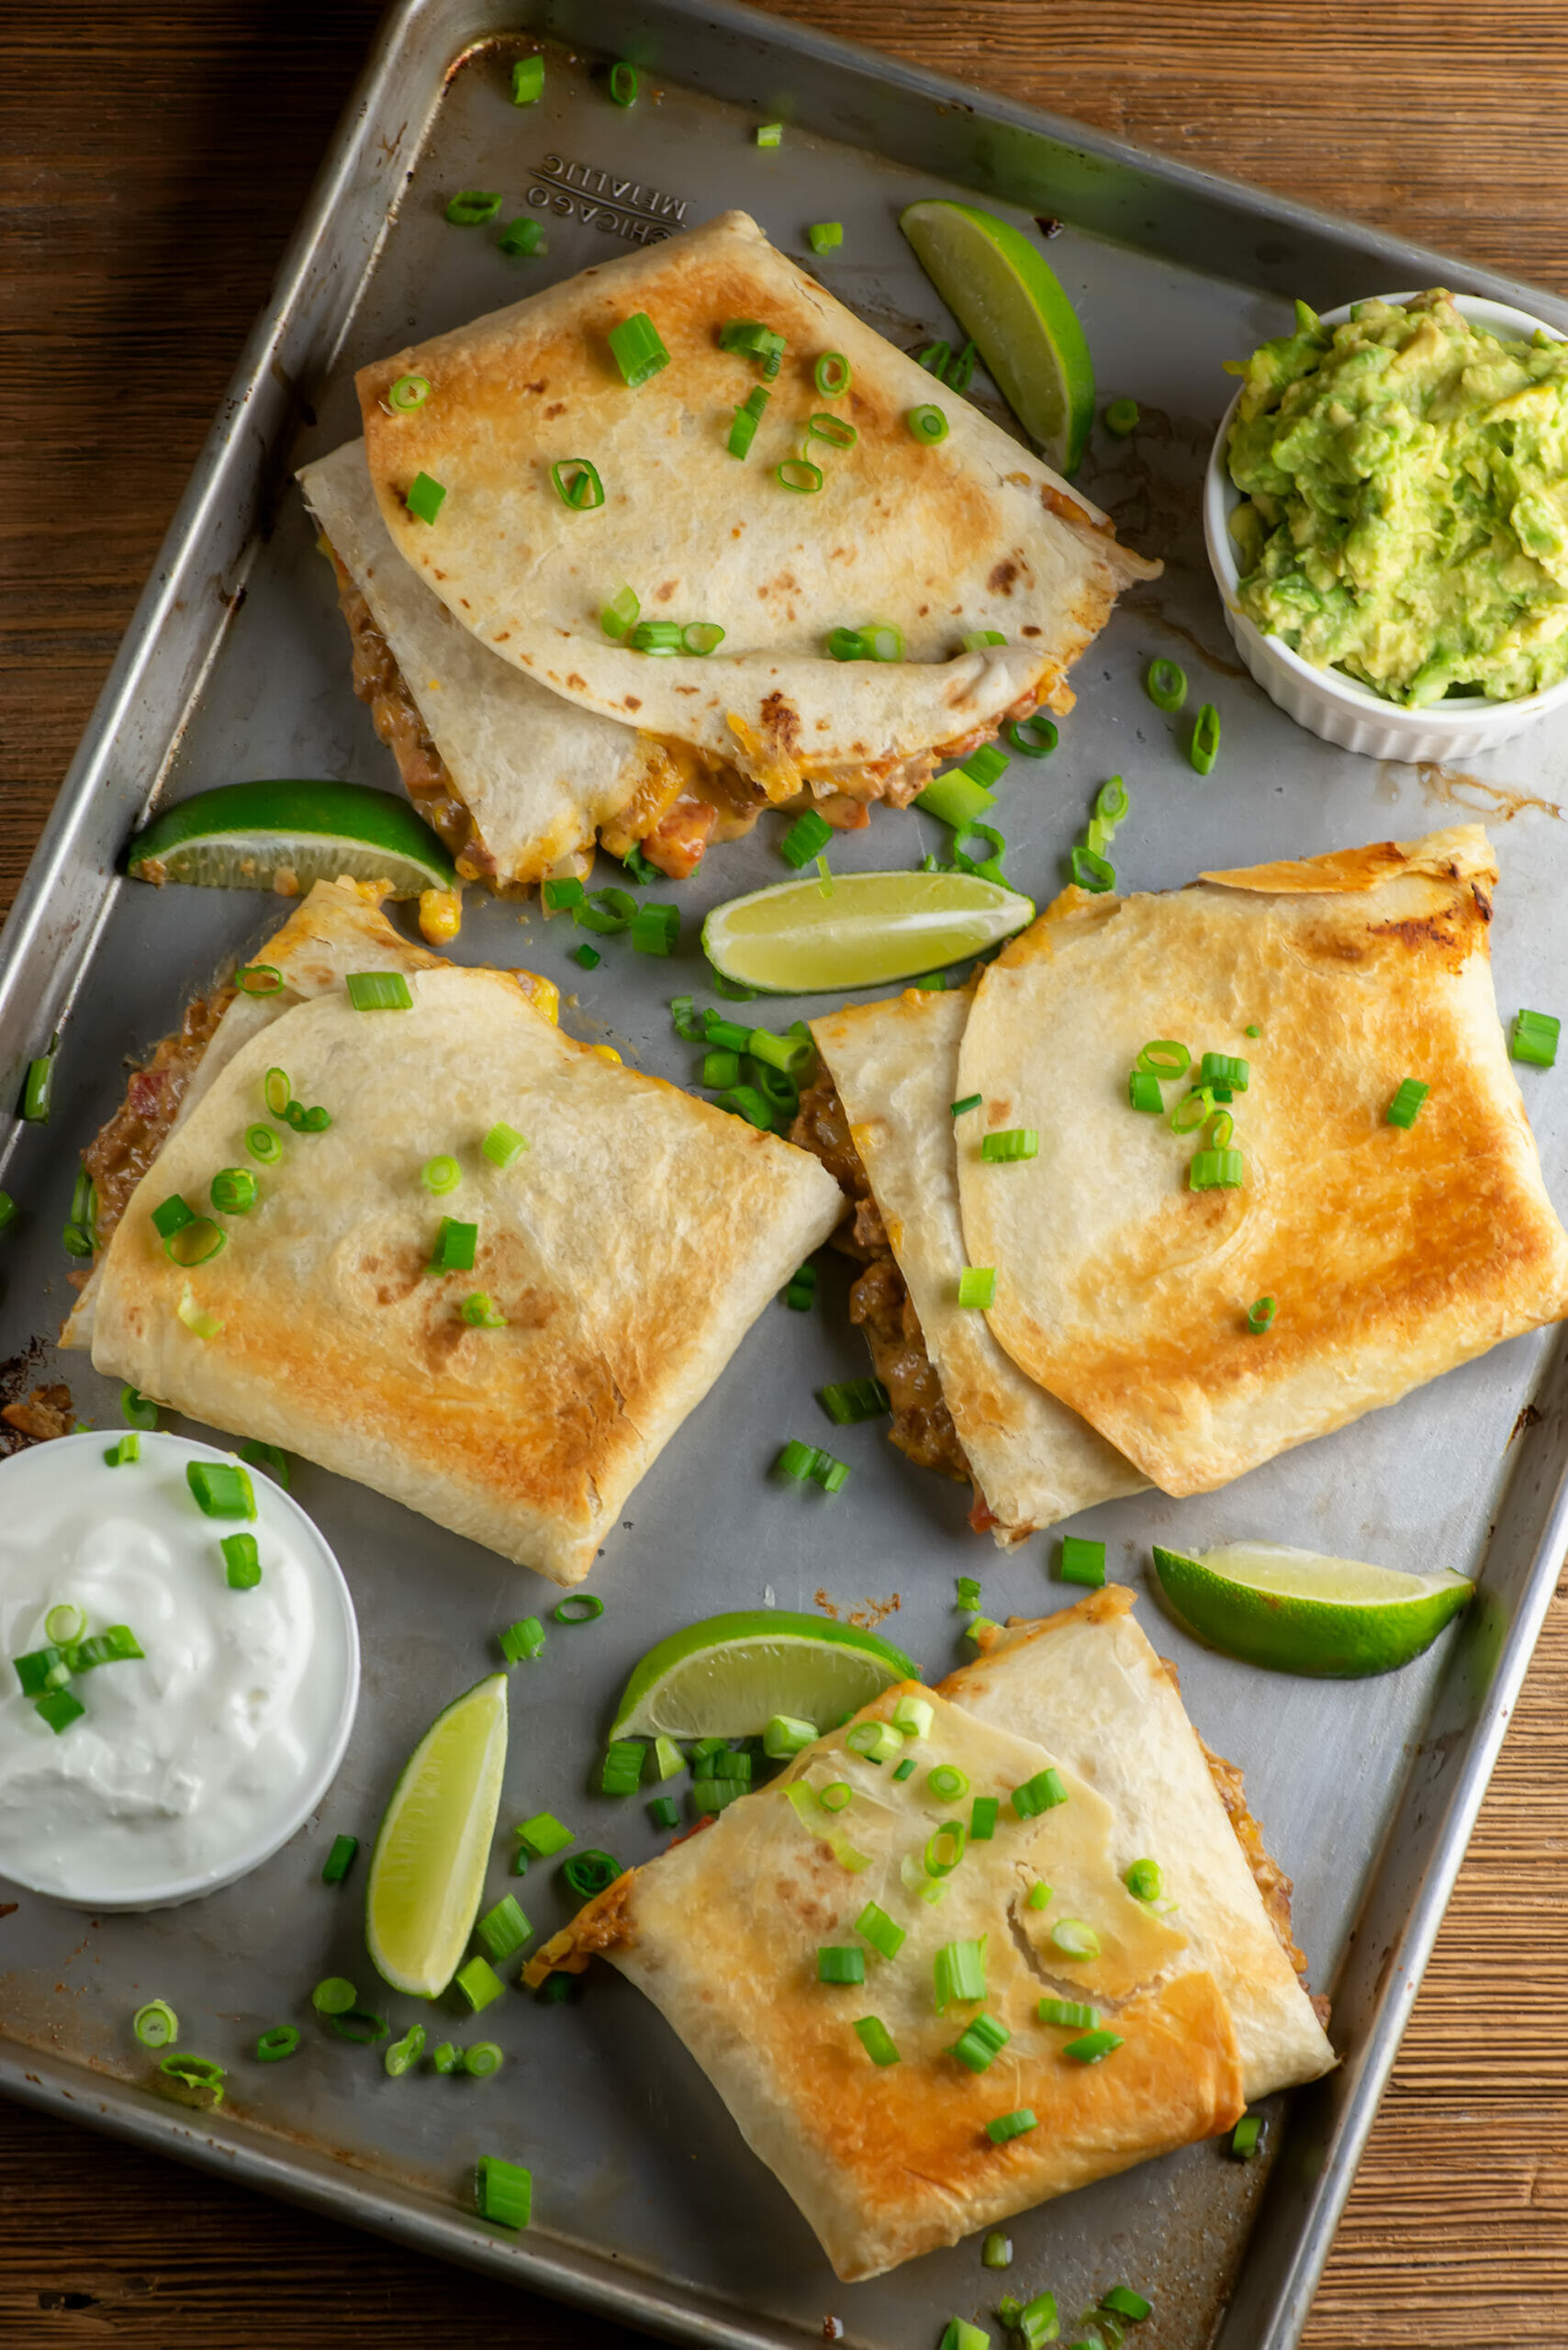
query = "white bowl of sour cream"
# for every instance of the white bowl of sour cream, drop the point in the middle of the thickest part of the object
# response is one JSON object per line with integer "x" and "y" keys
{"x": 190, "y": 1765}
{"x": 1328, "y": 702}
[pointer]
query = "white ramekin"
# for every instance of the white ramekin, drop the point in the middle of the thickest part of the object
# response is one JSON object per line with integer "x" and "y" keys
{"x": 1327, "y": 701}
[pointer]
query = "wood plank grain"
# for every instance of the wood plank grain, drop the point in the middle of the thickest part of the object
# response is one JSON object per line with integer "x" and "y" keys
{"x": 153, "y": 159}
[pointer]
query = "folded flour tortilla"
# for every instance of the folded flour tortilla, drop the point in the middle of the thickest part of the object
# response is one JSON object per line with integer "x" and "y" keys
{"x": 1393, "y": 1255}
{"x": 895, "y": 1065}
{"x": 887, "y": 2162}
{"x": 630, "y": 1247}
{"x": 537, "y": 775}
{"x": 969, "y": 535}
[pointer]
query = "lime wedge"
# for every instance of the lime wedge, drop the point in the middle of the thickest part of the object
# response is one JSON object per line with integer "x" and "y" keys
{"x": 790, "y": 940}
{"x": 245, "y": 835}
{"x": 1302, "y": 1613}
{"x": 1013, "y": 308}
{"x": 727, "y": 1676}
{"x": 427, "y": 1873}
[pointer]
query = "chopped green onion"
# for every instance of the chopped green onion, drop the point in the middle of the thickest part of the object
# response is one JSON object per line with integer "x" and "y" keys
{"x": 664, "y": 1813}
{"x": 700, "y": 637}
{"x": 221, "y": 1489}
{"x": 1093, "y": 2046}
{"x": 406, "y": 2052}
{"x": 526, "y": 81}
{"x": 1010, "y": 2125}
{"x": 839, "y": 433}
{"x": 270, "y": 1456}
{"x": 1405, "y": 1107}
{"x": 1192, "y": 1111}
{"x": 1008, "y": 1144}
{"x": 876, "y": 2040}
{"x": 472, "y": 206}
{"x": 664, "y": 1758}
{"x": 265, "y": 1145}
{"x": 607, "y": 912}
{"x": 947, "y": 1782}
{"x": 721, "y": 1070}
{"x": 503, "y": 2191}
{"x": 577, "y": 1607}
{"x": 1082, "y": 1562}
{"x": 885, "y": 1936}
{"x": 837, "y": 1796}
{"x": 275, "y": 2045}
{"x": 1219, "y": 1130}
{"x": 655, "y": 929}
{"x": 39, "y": 1087}
{"x": 806, "y": 837}
{"x": 959, "y": 372}
{"x": 441, "y": 1175}
{"x": 977, "y": 1285}
{"x": 40, "y": 1670}
{"x": 425, "y": 499}
{"x": 1215, "y": 1171}
{"x": 193, "y": 2080}
{"x": 545, "y": 1835}
{"x": 504, "y": 1929}
{"x": 446, "y": 2058}
{"x": 980, "y": 2042}
{"x": 711, "y": 1795}
{"x": 455, "y": 1244}
{"x": 1036, "y": 736}
{"x": 720, "y": 1031}
{"x": 1225, "y": 1068}
{"x": 481, "y": 2060}
{"x": 1121, "y": 418}
{"x": 156, "y": 2024}
{"x": 935, "y": 358}
{"x": 980, "y": 1629}
{"x": 1111, "y": 804}
{"x": 958, "y": 2334}
{"x": 965, "y": 1590}
{"x": 636, "y": 349}
{"x": 8, "y": 1210}
{"x": 913, "y": 1716}
{"x": 1042, "y": 1793}
{"x": 1071, "y": 2015}
{"x": 982, "y": 1818}
{"x": 242, "y": 1561}
{"x": 1039, "y": 1895}
{"x": 1261, "y": 1314}
{"x": 59, "y": 1708}
{"x": 65, "y": 1624}
{"x": 800, "y": 474}
{"x": 997, "y": 2250}
{"x": 265, "y": 979}
{"x": 769, "y": 134}
{"x": 928, "y": 423}
{"x": 1144, "y": 1880}
{"x": 1037, "y": 2322}
{"x": 624, "y": 84}
{"x": 479, "y": 1984}
{"x": 197, "y": 1242}
{"x": 588, "y": 956}
{"x": 874, "y": 1741}
{"x": 795, "y": 1461}
{"x": 977, "y": 639}
{"x": 113, "y": 1646}
{"x": 480, "y": 1311}
{"x": 171, "y": 1216}
{"x": 1122, "y": 2301}
{"x": 745, "y": 1102}
{"x": 847, "y": 1401}
{"x": 743, "y": 430}
{"x": 756, "y": 341}
{"x": 824, "y": 237}
{"x": 840, "y": 1965}
{"x": 832, "y": 373}
{"x": 1092, "y": 871}
{"x": 197, "y": 1320}
{"x": 1074, "y": 1939}
{"x": 118, "y": 1456}
{"x": 1143, "y": 1091}
{"x": 1165, "y": 1057}
{"x": 621, "y": 1772}
{"x": 906, "y": 1768}
{"x": 333, "y": 1996}
{"x": 379, "y": 992}
{"x": 577, "y": 485}
{"x": 615, "y": 619}
{"x": 969, "y": 1101}
{"x": 956, "y": 798}
{"x": 1166, "y": 685}
{"x": 339, "y": 1860}
{"x": 277, "y": 1092}
{"x": 409, "y": 393}
{"x": 785, "y": 1734}
{"x": 1535, "y": 1039}
{"x": 523, "y": 1641}
{"x": 1245, "y": 2136}
{"x": 959, "y": 1970}
{"x": 846, "y": 644}
{"x": 1203, "y": 748}
{"x": 233, "y": 1190}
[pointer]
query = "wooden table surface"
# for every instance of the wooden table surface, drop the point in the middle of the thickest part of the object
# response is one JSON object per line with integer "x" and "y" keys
{"x": 153, "y": 159}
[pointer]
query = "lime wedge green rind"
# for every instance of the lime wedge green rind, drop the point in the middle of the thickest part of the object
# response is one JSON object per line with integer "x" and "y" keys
{"x": 1296, "y": 1611}
{"x": 874, "y": 928}
{"x": 243, "y": 835}
{"x": 1012, "y": 305}
{"x": 727, "y": 1676}
{"x": 427, "y": 1873}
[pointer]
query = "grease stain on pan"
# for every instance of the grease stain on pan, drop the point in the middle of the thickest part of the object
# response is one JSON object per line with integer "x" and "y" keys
{"x": 1474, "y": 794}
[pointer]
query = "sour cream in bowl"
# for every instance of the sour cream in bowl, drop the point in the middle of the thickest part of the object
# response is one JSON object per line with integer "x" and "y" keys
{"x": 190, "y": 1763}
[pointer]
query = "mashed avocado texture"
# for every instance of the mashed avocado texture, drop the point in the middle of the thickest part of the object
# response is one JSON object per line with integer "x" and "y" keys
{"x": 1405, "y": 512}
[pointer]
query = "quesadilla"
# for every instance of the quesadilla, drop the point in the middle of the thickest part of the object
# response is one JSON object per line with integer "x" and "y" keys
{"x": 921, "y": 2090}
{"x": 1356, "y": 1205}
{"x": 881, "y": 1116}
{"x": 505, "y": 1341}
{"x": 943, "y": 545}
{"x": 517, "y": 781}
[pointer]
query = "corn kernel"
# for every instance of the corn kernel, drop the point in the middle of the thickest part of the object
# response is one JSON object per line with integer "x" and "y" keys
{"x": 441, "y": 915}
{"x": 543, "y": 994}
{"x": 607, "y": 1053}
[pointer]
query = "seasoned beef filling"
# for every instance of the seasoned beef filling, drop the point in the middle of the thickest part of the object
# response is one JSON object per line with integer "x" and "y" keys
{"x": 880, "y": 1301}
{"x": 46, "y": 1413}
{"x": 125, "y": 1148}
{"x": 395, "y": 717}
{"x": 1270, "y": 1880}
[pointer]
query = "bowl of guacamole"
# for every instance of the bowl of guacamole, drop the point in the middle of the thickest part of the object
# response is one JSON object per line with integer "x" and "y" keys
{"x": 1387, "y": 521}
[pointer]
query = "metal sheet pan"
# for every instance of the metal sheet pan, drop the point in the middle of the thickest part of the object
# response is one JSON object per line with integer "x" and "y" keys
{"x": 647, "y": 2205}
